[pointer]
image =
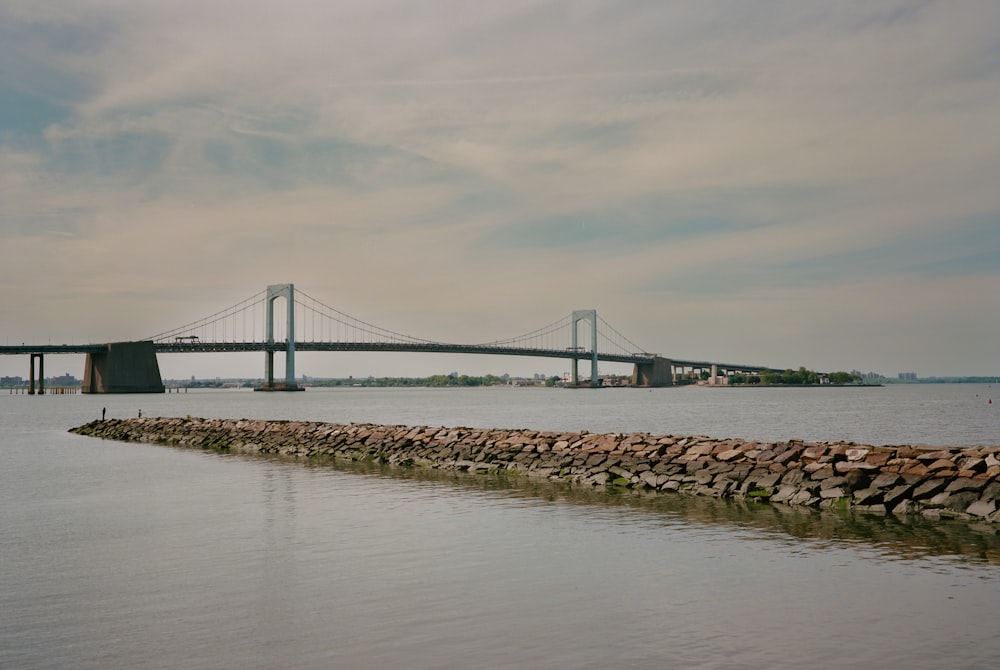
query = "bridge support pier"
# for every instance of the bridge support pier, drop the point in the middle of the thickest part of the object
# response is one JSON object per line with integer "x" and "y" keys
{"x": 658, "y": 372}
{"x": 125, "y": 367}
{"x": 41, "y": 374}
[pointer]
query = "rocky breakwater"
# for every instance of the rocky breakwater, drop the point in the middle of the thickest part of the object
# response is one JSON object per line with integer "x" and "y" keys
{"x": 900, "y": 480}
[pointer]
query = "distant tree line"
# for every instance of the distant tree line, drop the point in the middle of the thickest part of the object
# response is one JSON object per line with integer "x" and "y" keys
{"x": 800, "y": 377}
{"x": 432, "y": 381}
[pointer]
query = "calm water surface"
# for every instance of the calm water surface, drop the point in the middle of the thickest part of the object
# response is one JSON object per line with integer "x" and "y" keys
{"x": 137, "y": 556}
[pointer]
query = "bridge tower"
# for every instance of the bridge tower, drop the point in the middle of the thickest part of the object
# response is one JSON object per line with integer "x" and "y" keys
{"x": 275, "y": 291}
{"x": 578, "y": 316}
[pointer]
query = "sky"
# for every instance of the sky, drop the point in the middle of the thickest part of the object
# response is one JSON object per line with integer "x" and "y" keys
{"x": 784, "y": 183}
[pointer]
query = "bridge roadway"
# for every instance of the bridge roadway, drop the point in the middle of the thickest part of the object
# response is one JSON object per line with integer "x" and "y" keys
{"x": 53, "y": 349}
{"x": 442, "y": 348}
{"x": 416, "y": 347}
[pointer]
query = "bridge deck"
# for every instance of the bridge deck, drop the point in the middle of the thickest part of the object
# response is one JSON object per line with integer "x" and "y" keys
{"x": 53, "y": 349}
{"x": 415, "y": 347}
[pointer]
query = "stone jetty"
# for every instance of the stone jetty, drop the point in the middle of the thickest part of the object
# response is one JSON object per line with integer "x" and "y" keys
{"x": 937, "y": 482}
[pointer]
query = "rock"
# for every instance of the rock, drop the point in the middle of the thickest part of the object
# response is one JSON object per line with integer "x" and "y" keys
{"x": 982, "y": 508}
{"x": 937, "y": 500}
{"x": 992, "y": 491}
{"x": 700, "y": 449}
{"x": 885, "y": 481}
{"x": 847, "y": 466}
{"x": 878, "y": 459}
{"x": 804, "y": 498}
{"x": 929, "y": 488}
{"x": 785, "y": 493}
{"x": 965, "y": 484}
{"x": 814, "y": 453}
{"x": 915, "y": 469}
{"x": 721, "y": 468}
{"x": 739, "y": 473}
{"x": 650, "y": 478}
{"x": 972, "y": 464}
{"x": 955, "y": 502}
{"x": 703, "y": 477}
{"x": 823, "y": 473}
{"x": 787, "y": 456}
{"x": 832, "y": 482}
{"x": 769, "y": 480}
{"x": 941, "y": 464}
{"x": 868, "y": 496}
{"x": 906, "y": 507}
{"x": 793, "y": 477}
{"x": 723, "y": 486}
{"x": 620, "y": 472}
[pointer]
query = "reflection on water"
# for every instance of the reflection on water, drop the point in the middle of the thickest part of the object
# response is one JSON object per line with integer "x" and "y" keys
{"x": 888, "y": 536}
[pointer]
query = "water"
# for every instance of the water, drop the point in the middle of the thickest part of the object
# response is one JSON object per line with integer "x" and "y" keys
{"x": 138, "y": 556}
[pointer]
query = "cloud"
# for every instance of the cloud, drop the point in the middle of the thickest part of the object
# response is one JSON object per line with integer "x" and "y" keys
{"x": 461, "y": 169}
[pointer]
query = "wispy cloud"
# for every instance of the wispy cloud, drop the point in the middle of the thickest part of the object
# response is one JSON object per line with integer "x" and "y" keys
{"x": 682, "y": 162}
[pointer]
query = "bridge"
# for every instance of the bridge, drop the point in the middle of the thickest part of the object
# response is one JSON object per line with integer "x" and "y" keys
{"x": 311, "y": 325}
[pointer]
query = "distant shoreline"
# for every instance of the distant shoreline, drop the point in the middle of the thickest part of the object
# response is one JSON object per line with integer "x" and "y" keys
{"x": 786, "y": 386}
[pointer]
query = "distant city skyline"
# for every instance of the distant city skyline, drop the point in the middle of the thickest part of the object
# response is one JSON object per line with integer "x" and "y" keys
{"x": 69, "y": 379}
{"x": 781, "y": 183}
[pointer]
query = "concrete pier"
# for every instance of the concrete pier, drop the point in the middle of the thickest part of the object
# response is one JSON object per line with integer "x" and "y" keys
{"x": 658, "y": 372}
{"x": 124, "y": 367}
{"x": 41, "y": 375}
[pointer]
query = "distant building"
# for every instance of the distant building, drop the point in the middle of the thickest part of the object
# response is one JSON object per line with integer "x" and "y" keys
{"x": 910, "y": 376}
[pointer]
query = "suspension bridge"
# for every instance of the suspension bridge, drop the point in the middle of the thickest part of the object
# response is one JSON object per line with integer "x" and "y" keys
{"x": 312, "y": 325}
